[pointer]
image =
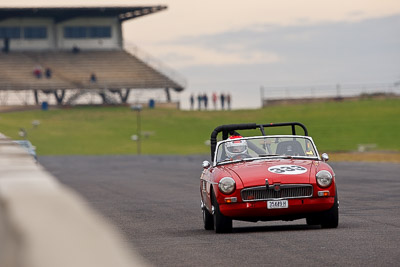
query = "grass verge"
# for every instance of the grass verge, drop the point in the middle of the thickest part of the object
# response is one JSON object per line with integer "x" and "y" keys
{"x": 334, "y": 126}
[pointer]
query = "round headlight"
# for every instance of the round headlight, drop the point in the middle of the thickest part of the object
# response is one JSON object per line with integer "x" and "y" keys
{"x": 324, "y": 178}
{"x": 227, "y": 185}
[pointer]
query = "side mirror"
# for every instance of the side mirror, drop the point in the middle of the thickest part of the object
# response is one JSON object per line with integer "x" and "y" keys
{"x": 324, "y": 157}
{"x": 206, "y": 164}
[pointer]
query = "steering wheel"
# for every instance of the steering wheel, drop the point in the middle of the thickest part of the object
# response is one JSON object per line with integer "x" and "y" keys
{"x": 241, "y": 156}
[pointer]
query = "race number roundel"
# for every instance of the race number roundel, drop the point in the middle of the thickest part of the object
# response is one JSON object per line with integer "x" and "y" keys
{"x": 287, "y": 169}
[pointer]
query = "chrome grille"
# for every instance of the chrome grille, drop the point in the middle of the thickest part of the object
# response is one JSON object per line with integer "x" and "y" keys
{"x": 286, "y": 191}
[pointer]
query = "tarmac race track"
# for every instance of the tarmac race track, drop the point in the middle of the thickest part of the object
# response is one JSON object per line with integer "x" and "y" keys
{"x": 155, "y": 202}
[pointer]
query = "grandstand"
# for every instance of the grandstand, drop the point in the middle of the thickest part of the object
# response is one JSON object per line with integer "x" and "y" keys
{"x": 76, "y": 44}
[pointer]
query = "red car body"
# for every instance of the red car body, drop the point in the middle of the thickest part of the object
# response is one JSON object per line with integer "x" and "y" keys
{"x": 274, "y": 187}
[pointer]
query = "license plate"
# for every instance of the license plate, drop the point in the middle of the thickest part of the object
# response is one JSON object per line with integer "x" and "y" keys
{"x": 277, "y": 204}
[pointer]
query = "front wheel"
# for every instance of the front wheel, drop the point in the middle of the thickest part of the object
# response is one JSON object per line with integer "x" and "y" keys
{"x": 222, "y": 223}
{"x": 208, "y": 219}
{"x": 330, "y": 218}
{"x": 313, "y": 220}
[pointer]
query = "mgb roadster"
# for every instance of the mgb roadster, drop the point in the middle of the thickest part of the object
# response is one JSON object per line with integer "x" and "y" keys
{"x": 266, "y": 177}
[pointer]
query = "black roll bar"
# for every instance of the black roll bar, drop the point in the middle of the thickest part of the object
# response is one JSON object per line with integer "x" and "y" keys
{"x": 230, "y": 129}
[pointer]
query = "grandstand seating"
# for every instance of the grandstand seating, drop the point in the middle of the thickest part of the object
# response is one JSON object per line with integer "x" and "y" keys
{"x": 114, "y": 69}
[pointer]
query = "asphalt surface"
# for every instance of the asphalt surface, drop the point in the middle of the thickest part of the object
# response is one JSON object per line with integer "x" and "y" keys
{"x": 155, "y": 202}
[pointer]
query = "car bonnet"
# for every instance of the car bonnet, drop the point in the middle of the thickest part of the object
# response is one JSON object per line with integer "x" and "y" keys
{"x": 284, "y": 171}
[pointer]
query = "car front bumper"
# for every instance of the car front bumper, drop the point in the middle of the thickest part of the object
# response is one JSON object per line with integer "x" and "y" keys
{"x": 258, "y": 209}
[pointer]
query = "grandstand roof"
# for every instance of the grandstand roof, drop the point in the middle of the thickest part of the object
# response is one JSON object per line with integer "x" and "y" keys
{"x": 65, "y": 13}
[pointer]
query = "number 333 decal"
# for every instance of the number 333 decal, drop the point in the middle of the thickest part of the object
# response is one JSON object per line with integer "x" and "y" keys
{"x": 287, "y": 169}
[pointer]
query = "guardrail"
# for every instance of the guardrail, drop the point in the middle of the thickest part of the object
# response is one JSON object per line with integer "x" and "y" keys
{"x": 45, "y": 224}
{"x": 327, "y": 90}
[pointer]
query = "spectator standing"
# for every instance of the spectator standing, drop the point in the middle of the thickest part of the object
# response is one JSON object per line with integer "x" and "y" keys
{"x": 214, "y": 100}
{"x": 48, "y": 73}
{"x": 222, "y": 98}
{"x": 205, "y": 99}
{"x": 191, "y": 101}
{"x": 199, "y": 99}
{"x": 37, "y": 71}
{"x": 228, "y": 100}
{"x": 93, "y": 78}
{"x": 75, "y": 49}
{"x": 6, "y": 47}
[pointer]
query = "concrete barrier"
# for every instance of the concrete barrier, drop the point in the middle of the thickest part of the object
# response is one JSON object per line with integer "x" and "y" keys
{"x": 45, "y": 224}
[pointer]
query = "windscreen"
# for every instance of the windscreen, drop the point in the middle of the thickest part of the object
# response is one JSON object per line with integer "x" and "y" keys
{"x": 265, "y": 147}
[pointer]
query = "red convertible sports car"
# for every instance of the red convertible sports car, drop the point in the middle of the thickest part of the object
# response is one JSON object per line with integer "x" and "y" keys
{"x": 267, "y": 177}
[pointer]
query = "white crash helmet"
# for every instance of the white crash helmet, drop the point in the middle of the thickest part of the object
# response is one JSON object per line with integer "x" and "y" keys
{"x": 235, "y": 147}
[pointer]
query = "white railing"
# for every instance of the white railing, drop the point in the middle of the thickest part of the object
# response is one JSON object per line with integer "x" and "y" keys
{"x": 155, "y": 63}
{"x": 332, "y": 90}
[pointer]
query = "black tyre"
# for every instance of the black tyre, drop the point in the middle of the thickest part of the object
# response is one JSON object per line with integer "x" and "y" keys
{"x": 313, "y": 220}
{"x": 222, "y": 223}
{"x": 208, "y": 220}
{"x": 330, "y": 218}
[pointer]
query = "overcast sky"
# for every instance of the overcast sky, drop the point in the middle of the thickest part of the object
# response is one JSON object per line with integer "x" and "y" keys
{"x": 238, "y": 46}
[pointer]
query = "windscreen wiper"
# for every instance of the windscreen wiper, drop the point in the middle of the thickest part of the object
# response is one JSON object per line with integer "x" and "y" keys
{"x": 226, "y": 161}
{"x": 276, "y": 155}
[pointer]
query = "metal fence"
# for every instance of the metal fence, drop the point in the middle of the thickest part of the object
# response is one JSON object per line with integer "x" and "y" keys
{"x": 328, "y": 91}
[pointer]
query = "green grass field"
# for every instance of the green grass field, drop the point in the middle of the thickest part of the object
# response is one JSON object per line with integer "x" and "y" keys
{"x": 335, "y": 126}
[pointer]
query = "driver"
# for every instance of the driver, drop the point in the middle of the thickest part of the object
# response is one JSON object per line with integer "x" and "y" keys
{"x": 234, "y": 148}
